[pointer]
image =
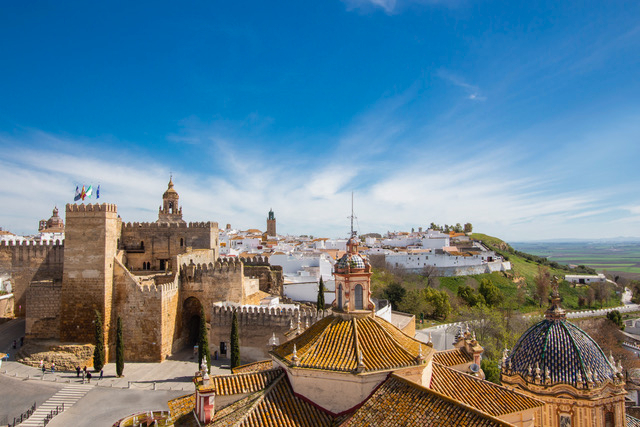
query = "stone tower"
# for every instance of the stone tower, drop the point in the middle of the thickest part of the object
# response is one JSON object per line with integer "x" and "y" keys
{"x": 91, "y": 244}
{"x": 271, "y": 224}
{"x": 170, "y": 211}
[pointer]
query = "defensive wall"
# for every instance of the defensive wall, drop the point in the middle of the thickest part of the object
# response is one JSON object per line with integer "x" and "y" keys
{"x": 157, "y": 243}
{"x": 43, "y": 310}
{"x": 91, "y": 236}
{"x": 28, "y": 261}
{"x": 271, "y": 277}
{"x": 256, "y": 327}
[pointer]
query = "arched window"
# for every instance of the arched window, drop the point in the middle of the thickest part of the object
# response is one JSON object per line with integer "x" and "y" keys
{"x": 340, "y": 297}
{"x": 144, "y": 265}
{"x": 141, "y": 244}
{"x": 171, "y": 207}
{"x": 358, "y": 297}
{"x": 181, "y": 241}
{"x": 148, "y": 265}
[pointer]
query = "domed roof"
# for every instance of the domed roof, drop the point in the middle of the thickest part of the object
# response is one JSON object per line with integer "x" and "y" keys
{"x": 170, "y": 191}
{"x": 563, "y": 353}
{"x": 354, "y": 260}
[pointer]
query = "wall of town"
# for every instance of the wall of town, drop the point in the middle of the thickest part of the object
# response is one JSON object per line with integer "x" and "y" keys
{"x": 155, "y": 242}
{"x": 28, "y": 261}
{"x": 43, "y": 310}
{"x": 91, "y": 237}
{"x": 256, "y": 326}
{"x": 271, "y": 277}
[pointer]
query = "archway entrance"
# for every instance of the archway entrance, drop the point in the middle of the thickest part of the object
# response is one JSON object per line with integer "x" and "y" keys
{"x": 191, "y": 309}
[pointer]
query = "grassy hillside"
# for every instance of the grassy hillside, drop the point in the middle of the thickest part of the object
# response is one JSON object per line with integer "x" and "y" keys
{"x": 518, "y": 286}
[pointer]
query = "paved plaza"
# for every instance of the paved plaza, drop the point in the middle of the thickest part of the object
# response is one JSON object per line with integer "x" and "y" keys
{"x": 145, "y": 386}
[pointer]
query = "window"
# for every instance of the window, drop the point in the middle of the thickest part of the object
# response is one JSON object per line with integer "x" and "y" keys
{"x": 340, "y": 297}
{"x": 358, "y": 297}
{"x": 181, "y": 241}
{"x": 565, "y": 420}
{"x": 609, "y": 420}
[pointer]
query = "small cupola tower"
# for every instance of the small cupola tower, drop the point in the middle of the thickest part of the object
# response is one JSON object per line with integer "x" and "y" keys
{"x": 352, "y": 274}
{"x": 271, "y": 223}
{"x": 170, "y": 211}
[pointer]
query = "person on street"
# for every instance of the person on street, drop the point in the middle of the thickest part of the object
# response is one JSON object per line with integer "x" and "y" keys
{"x": 77, "y": 371}
{"x": 101, "y": 373}
{"x": 89, "y": 377}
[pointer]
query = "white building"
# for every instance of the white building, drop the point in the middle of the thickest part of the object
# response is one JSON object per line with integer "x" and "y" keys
{"x": 584, "y": 278}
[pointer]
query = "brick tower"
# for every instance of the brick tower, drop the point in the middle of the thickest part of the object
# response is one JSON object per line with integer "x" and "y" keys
{"x": 271, "y": 224}
{"x": 91, "y": 240}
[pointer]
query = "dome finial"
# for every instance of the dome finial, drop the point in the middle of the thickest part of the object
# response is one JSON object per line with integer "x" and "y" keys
{"x": 555, "y": 310}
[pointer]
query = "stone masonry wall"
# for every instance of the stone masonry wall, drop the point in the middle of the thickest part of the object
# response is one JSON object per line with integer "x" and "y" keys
{"x": 6, "y": 305}
{"x": 209, "y": 283}
{"x": 140, "y": 308}
{"x": 270, "y": 277}
{"x": 43, "y": 310}
{"x": 256, "y": 326}
{"x": 28, "y": 262}
{"x": 91, "y": 235}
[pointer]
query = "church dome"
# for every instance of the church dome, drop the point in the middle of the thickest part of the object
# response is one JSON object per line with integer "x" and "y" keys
{"x": 563, "y": 353}
{"x": 353, "y": 260}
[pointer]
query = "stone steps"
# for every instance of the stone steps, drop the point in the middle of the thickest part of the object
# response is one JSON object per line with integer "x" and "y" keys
{"x": 68, "y": 396}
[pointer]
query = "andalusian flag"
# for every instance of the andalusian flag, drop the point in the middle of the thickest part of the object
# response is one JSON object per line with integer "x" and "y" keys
{"x": 78, "y": 194}
{"x": 89, "y": 192}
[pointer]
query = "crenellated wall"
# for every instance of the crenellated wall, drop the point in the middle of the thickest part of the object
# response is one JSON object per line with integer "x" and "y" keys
{"x": 219, "y": 281}
{"x": 91, "y": 236}
{"x": 256, "y": 326}
{"x": 270, "y": 276}
{"x": 158, "y": 243}
{"x": 30, "y": 261}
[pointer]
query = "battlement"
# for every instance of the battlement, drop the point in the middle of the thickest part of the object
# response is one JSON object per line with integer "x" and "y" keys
{"x": 97, "y": 207}
{"x": 33, "y": 243}
{"x": 267, "y": 311}
{"x": 159, "y": 225}
{"x": 159, "y": 289}
{"x": 255, "y": 261}
{"x": 222, "y": 265}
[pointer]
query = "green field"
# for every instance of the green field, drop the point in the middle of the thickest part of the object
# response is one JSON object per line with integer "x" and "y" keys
{"x": 603, "y": 256}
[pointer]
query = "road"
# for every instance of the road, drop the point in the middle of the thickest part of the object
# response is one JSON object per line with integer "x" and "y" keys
{"x": 17, "y": 395}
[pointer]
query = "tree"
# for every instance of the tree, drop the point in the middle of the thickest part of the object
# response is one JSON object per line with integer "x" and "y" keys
{"x": 203, "y": 342}
{"x": 491, "y": 370}
{"x": 429, "y": 271}
{"x": 320, "y": 302}
{"x": 543, "y": 282}
{"x": 602, "y": 291}
{"x": 468, "y": 228}
{"x": 616, "y": 317}
{"x": 490, "y": 293}
{"x": 394, "y": 292}
{"x": 470, "y": 296}
{"x": 434, "y": 226}
{"x": 438, "y": 301}
{"x": 235, "y": 342}
{"x": 119, "y": 349}
{"x": 457, "y": 228}
{"x": 98, "y": 351}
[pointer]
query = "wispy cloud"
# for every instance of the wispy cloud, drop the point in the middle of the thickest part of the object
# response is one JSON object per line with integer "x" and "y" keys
{"x": 472, "y": 92}
{"x": 392, "y": 6}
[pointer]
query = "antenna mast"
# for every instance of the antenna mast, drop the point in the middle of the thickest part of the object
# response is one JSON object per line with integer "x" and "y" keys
{"x": 352, "y": 216}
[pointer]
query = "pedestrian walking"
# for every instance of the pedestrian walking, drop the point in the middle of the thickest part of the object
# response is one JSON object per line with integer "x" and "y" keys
{"x": 85, "y": 371}
{"x": 77, "y": 371}
{"x": 41, "y": 363}
{"x": 101, "y": 373}
{"x": 53, "y": 367}
{"x": 89, "y": 377}
{"x": 21, "y": 341}
{"x": 43, "y": 369}
{"x": 83, "y": 375}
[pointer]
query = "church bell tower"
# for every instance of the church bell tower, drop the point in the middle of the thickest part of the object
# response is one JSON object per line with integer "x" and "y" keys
{"x": 170, "y": 211}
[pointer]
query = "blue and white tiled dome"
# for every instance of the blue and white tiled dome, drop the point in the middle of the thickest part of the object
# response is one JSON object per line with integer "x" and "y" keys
{"x": 563, "y": 352}
{"x": 555, "y": 351}
{"x": 352, "y": 260}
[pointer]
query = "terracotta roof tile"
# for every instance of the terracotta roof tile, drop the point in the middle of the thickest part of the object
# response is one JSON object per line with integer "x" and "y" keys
{"x": 333, "y": 343}
{"x": 275, "y": 406}
{"x": 486, "y": 396}
{"x": 400, "y": 402}
{"x": 263, "y": 365}
{"x": 181, "y": 405}
{"x": 452, "y": 357}
{"x": 244, "y": 383}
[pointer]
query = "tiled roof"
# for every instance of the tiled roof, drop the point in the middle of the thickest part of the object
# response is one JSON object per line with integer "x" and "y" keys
{"x": 181, "y": 405}
{"x": 333, "y": 344}
{"x": 275, "y": 406}
{"x": 564, "y": 349}
{"x": 263, "y": 365}
{"x": 632, "y": 422}
{"x": 244, "y": 383}
{"x": 399, "y": 402}
{"x": 452, "y": 357}
{"x": 354, "y": 260}
{"x": 486, "y": 396}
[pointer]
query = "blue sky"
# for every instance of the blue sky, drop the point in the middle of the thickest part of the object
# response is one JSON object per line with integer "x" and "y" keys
{"x": 520, "y": 117}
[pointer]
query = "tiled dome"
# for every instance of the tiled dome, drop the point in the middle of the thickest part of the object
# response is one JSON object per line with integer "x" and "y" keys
{"x": 563, "y": 352}
{"x": 353, "y": 260}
